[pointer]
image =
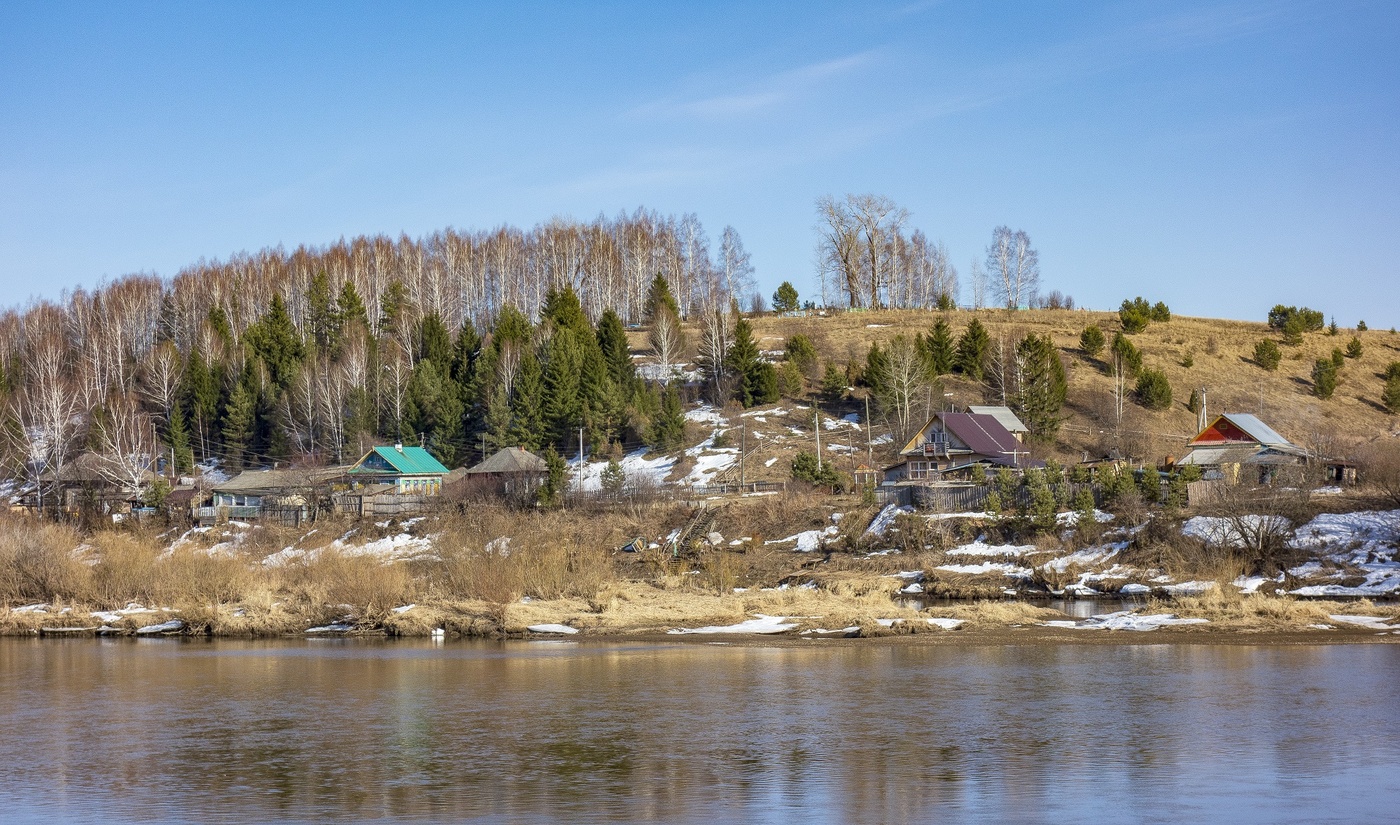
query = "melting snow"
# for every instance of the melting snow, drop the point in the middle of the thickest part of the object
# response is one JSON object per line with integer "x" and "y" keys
{"x": 759, "y": 624}
{"x": 552, "y": 628}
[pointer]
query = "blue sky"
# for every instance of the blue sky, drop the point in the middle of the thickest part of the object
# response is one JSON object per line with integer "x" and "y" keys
{"x": 1222, "y": 157}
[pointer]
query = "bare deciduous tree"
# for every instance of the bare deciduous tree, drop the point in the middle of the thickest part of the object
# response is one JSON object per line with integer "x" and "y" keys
{"x": 1014, "y": 266}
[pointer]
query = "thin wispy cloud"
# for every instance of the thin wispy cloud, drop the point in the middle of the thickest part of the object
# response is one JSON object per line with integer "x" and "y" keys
{"x": 761, "y": 95}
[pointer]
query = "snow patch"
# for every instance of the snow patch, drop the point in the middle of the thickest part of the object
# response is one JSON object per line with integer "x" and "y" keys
{"x": 759, "y": 624}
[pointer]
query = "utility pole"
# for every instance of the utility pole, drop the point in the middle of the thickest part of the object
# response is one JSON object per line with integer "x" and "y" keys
{"x": 580, "y": 459}
{"x": 817, "y": 422}
{"x": 869, "y": 446}
{"x": 743, "y": 449}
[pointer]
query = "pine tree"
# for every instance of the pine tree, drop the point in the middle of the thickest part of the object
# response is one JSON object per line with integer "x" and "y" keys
{"x": 433, "y": 410}
{"x": 833, "y": 384}
{"x": 940, "y": 349}
{"x": 553, "y": 488}
{"x": 199, "y": 393}
{"x": 785, "y": 299}
{"x": 1324, "y": 376}
{"x": 973, "y": 347}
{"x": 177, "y": 437}
{"x": 393, "y": 309}
{"x": 1127, "y": 354}
{"x": 877, "y": 369}
{"x": 1091, "y": 340}
{"x": 1390, "y": 396}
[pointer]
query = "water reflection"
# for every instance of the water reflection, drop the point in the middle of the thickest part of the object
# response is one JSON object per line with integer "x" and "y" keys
{"x": 160, "y": 730}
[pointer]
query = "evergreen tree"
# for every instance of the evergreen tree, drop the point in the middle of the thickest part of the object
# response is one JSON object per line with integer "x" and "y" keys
{"x": 603, "y": 403}
{"x": 666, "y": 432}
{"x": 238, "y": 426}
{"x": 659, "y": 296}
{"x": 433, "y": 410}
{"x": 1041, "y": 393}
{"x": 527, "y": 425}
{"x": 276, "y": 343}
{"x": 1324, "y": 376}
{"x": 785, "y": 299}
{"x": 496, "y": 421}
{"x": 434, "y": 342}
{"x": 553, "y": 488}
{"x": 350, "y": 307}
{"x": 1091, "y": 340}
{"x": 1127, "y": 353}
{"x": 802, "y": 354}
{"x": 177, "y": 438}
{"x": 199, "y": 393}
{"x": 512, "y": 327}
{"x": 758, "y": 381}
{"x": 877, "y": 369}
{"x": 1153, "y": 390}
{"x": 1354, "y": 347}
{"x": 612, "y": 340}
{"x": 1390, "y": 396}
{"x": 833, "y": 384}
{"x": 939, "y": 348}
{"x": 322, "y": 317}
{"x": 562, "y": 307}
{"x": 1267, "y": 354}
{"x": 562, "y": 405}
{"x": 393, "y": 309}
{"x": 973, "y": 346}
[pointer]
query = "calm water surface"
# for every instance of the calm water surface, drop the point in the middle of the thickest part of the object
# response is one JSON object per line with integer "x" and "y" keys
{"x": 125, "y": 731}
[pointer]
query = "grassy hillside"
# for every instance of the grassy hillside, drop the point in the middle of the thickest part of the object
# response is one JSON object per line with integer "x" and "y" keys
{"x": 1221, "y": 362}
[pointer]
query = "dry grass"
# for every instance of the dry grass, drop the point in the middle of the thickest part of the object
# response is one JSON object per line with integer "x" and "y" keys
{"x": 1228, "y": 609}
{"x": 1222, "y": 354}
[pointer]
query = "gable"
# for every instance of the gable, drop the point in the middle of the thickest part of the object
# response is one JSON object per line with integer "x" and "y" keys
{"x": 1223, "y": 431}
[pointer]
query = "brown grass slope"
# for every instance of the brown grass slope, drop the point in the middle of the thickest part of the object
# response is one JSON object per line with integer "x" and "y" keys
{"x": 1221, "y": 356}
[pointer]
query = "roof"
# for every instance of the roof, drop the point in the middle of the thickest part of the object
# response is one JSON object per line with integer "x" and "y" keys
{"x": 512, "y": 460}
{"x": 409, "y": 461}
{"x": 1004, "y": 416}
{"x": 1253, "y": 429}
{"x": 252, "y": 481}
{"x": 1214, "y": 456}
{"x": 983, "y": 434}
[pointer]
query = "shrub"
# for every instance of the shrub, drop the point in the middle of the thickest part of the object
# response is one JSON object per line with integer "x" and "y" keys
{"x": 1308, "y": 320}
{"x": 1338, "y": 358}
{"x": 1133, "y": 320}
{"x": 1267, "y": 354}
{"x": 790, "y": 381}
{"x": 800, "y": 351}
{"x": 1392, "y": 371}
{"x": 1188, "y": 360}
{"x": 1324, "y": 376}
{"x": 805, "y": 468}
{"x": 1160, "y": 313}
{"x": 1361, "y": 326}
{"x": 1354, "y": 347}
{"x": 1153, "y": 390}
{"x": 1091, "y": 340}
{"x": 833, "y": 384}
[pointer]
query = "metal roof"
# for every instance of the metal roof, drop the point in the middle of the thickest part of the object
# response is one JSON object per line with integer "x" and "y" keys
{"x": 1004, "y": 416}
{"x": 1258, "y": 430}
{"x": 250, "y": 481}
{"x": 409, "y": 461}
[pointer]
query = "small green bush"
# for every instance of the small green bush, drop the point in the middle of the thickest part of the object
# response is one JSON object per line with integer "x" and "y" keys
{"x": 1153, "y": 390}
{"x": 1267, "y": 354}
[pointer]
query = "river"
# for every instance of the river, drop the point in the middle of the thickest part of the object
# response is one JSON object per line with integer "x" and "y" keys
{"x": 164, "y": 730}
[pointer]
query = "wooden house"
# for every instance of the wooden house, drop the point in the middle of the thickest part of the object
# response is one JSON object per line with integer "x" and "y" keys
{"x": 951, "y": 443}
{"x": 512, "y": 472}
{"x": 411, "y": 470}
{"x": 1238, "y": 446}
{"x": 291, "y": 495}
{"x": 1005, "y": 417}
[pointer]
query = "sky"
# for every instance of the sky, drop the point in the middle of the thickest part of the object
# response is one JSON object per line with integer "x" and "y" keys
{"x": 1223, "y": 157}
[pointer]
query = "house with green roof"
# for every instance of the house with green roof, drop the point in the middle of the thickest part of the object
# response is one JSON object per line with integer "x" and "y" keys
{"x": 410, "y": 470}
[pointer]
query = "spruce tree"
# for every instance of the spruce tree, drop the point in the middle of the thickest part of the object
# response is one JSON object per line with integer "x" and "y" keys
{"x": 1390, "y": 396}
{"x": 758, "y": 381}
{"x": 612, "y": 340}
{"x": 667, "y": 430}
{"x": 433, "y": 410}
{"x": 433, "y": 341}
{"x": 562, "y": 307}
{"x": 659, "y": 296}
{"x": 275, "y": 341}
{"x": 1043, "y": 387}
{"x": 527, "y": 425}
{"x": 939, "y": 348}
{"x": 562, "y": 405}
{"x": 833, "y": 384}
{"x": 1091, "y": 340}
{"x": 238, "y": 426}
{"x": 350, "y": 307}
{"x": 973, "y": 346}
{"x": 322, "y": 316}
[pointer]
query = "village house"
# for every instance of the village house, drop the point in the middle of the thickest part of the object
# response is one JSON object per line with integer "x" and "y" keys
{"x": 291, "y": 495}
{"x": 1005, "y": 417}
{"x": 511, "y": 472}
{"x": 951, "y": 443}
{"x": 1238, "y": 446}
{"x": 408, "y": 470}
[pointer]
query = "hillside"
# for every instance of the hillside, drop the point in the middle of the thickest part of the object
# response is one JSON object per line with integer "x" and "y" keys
{"x": 1221, "y": 362}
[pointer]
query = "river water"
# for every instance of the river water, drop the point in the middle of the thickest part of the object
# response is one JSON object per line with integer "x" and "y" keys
{"x": 157, "y": 731}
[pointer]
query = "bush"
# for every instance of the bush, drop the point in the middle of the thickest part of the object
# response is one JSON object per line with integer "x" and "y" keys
{"x": 1160, "y": 313}
{"x": 801, "y": 352}
{"x": 1267, "y": 354}
{"x": 833, "y": 384}
{"x": 805, "y": 468}
{"x": 1361, "y": 326}
{"x": 1091, "y": 340}
{"x": 1133, "y": 321}
{"x": 1392, "y": 371}
{"x": 1130, "y": 355}
{"x": 1324, "y": 376}
{"x": 1153, "y": 390}
{"x": 1354, "y": 347}
{"x": 1338, "y": 359}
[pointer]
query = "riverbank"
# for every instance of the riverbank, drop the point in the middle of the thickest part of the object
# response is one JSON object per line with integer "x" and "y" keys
{"x": 644, "y": 611}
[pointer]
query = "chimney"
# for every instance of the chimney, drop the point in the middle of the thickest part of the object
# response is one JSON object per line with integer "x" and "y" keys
{"x": 398, "y": 445}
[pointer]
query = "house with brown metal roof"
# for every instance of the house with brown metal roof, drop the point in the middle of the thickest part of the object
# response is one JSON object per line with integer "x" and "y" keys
{"x": 951, "y": 443}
